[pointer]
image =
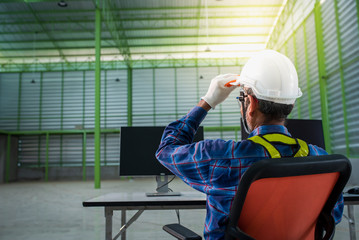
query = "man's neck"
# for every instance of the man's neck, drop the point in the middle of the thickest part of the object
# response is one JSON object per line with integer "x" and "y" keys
{"x": 273, "y": 122}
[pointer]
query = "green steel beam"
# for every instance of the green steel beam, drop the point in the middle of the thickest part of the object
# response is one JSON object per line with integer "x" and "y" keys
{"x": 307, "y": 74}
{"x": 322, "y": 76}
{"x": 115, "y": 26}
{"x": 134, "y": 38}
{"x": 97, "y": 168}
{"x": 112, "y": 54}
{"x": 129, "y": 96}
{"x": 135, "y": 29}
{"x": 278, "y": 28}
{"x": 33, "y": 1}
{"x": 139, "y": 19}
{"x": 115, "y": 65}
{"x": 342, "y": 80}
{"x": 38, "y": 21}
{"x": 224, "y": 128}
{"x": 59, "y": 132}
{"x": 259, "y": 41}
{"x": 164, "y": 8}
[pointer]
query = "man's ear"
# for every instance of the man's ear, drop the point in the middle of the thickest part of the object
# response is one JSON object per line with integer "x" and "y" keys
{"x": 253, "y": 105}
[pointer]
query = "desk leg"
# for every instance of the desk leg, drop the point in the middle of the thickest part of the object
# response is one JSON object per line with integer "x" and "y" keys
{"x": 123, "y": 223}
{"x": 351, "y": 222}
{"x": 108, "y": 216}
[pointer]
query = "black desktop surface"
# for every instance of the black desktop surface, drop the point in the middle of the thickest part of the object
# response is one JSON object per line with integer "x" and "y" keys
{"x": 311, "y": 131}
{"x": 138, "y": 146}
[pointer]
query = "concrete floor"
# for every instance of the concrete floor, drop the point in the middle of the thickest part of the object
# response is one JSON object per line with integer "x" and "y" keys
{"x": 53, "y": 210}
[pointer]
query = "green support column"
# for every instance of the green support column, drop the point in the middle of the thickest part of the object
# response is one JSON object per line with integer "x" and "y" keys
{"x": 8, "y": 151}
{"x": 98, "y": 99}
{"x": 342, "y": 80}
{"x": 129, "y": 96}
{"x": 47, "y": 157}
{"x": 322, "y": 76}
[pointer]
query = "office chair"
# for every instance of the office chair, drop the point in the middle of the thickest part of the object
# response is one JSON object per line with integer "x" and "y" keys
{"x": 284, "y": 198}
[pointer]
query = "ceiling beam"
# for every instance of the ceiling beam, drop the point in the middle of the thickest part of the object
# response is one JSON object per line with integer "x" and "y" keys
{"x": 137, "y": 38}
{"x": 133, "y": 53}
{"x": 62, "y": 11}
{"x": 26, "y": 22}
{"x": 136, "y": 29}
{"x": 52, "y": 40}
{"x": 116, "y": 30}
{"x": 282, "y": 20}
{"x": 117, "y": 64}
{"x": 134, "y": 46}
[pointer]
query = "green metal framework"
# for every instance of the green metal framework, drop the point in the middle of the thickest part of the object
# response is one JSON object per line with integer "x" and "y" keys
{"x": 113, "y": 45}
{"x": 322, "y": 75}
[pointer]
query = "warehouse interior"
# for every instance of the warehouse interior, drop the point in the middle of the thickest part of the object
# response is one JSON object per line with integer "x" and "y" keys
{"x": 73, "y": 72}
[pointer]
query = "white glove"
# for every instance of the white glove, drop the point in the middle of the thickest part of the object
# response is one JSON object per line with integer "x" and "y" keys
{"x": 219, "y": 89}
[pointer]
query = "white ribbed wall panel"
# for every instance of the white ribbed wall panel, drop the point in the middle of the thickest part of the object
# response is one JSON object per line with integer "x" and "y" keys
{"x": 9, "y": 95}
{"x": 313, "y": 67}
{"x": 51, "y": 100}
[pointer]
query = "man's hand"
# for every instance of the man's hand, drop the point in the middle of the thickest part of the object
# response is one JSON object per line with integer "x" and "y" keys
{"x": 219, "y": 89}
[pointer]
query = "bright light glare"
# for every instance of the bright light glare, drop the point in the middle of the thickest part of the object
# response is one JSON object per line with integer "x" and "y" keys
{"x": 276, "y": 20}
{"x": 238, "y": 47}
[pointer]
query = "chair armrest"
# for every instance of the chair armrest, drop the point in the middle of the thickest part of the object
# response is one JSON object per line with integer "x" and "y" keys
{"x": 325, "y": 226}
{"x": 181, "y": 232}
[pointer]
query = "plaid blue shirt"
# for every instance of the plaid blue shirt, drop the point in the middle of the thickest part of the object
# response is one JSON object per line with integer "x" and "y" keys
{"x": 215, "y": 167}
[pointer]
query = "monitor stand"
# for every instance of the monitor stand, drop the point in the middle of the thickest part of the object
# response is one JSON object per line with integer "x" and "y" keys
{"x": 162, "y": 188}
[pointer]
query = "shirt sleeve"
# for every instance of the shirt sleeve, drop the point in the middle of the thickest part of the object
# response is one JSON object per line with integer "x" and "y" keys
{"x": 191, "y": 161}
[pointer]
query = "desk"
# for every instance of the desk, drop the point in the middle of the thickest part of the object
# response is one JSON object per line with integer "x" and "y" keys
{"x": 350, "y": 200}
{"x": 139, "y": 201}
{"x": 188, "y": 200}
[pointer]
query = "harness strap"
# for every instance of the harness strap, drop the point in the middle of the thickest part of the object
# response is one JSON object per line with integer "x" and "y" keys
{"x": 267, "y": 140}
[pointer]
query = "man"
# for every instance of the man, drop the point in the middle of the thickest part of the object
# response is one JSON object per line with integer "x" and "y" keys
{"x": 268, "y": 89}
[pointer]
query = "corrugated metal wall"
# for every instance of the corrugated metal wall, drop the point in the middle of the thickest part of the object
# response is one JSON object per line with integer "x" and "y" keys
{"x": 339, "y": 19}
{"x": 65, "y": 101}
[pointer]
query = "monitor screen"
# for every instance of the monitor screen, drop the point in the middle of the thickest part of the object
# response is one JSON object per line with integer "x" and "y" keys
{"x": 311, "y": 131}
{"x": 138, "y": 146}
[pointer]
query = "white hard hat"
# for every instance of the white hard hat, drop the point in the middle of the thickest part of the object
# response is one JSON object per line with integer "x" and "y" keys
{"x": 271, "y": 76}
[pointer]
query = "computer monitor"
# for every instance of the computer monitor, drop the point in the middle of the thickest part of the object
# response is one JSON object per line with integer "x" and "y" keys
{"x": 138, "y": 146}
{"x": 311, "y": 131}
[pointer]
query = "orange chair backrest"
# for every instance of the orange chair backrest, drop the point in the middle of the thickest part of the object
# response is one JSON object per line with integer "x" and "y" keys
{"x": 286, "y": 207}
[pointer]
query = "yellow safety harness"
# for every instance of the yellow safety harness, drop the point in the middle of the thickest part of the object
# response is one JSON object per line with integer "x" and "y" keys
{"x": 278, "y": 138}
